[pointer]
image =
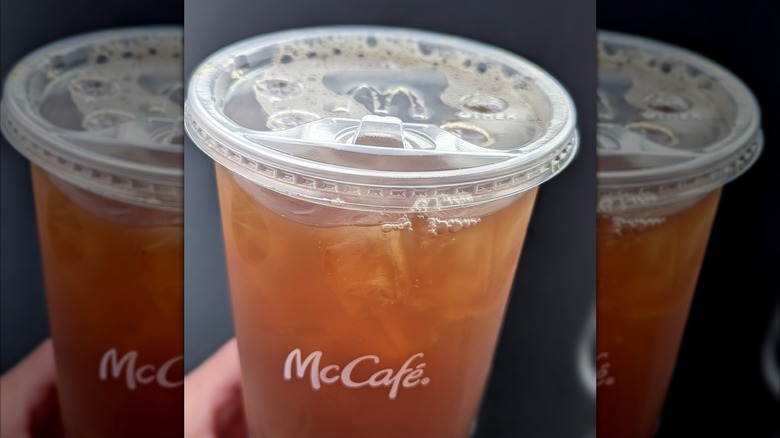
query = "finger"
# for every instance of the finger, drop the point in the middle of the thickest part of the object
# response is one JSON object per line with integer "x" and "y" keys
{"x": 45, "y": 420}
{"x": 229, "y": 420}
{"x": 212, "y": 396}
{"x": 28, "y": 396}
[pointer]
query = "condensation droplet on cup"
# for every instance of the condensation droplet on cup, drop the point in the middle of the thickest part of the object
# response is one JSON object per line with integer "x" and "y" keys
{"x": 483, "y": 103}
{"x": 666, "y": 102}
{"x": 93, "y": 88}
{"x": 655, "y": 133}
{"x": 278, "y": 88}
{"x": 104, "y": 119}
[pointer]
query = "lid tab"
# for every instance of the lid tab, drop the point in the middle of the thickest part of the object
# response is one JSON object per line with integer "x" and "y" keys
{"x": 380, "y": 131}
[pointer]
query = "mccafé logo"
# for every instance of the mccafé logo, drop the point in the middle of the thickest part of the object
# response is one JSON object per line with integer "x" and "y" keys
{"x": 111, "y": 365}
{"x": 408, "y": 376}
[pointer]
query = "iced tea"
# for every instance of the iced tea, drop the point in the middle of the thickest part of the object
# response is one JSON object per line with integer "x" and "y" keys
{"x": 648, "y": 265}
{"x": 375, "y": 186}
{"x": 114, "y": 285}
{"x": 379, "y": 330}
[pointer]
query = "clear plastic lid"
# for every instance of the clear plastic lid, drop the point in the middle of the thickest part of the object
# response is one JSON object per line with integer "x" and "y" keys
{"x": 672, "y": 124}
{"x": 104, "y": 112}
{"x": 379, "y": 118}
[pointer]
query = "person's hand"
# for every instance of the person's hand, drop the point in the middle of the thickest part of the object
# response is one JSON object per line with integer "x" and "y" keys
{"x": 28, "y": 397}
{"x": 213, "y": 405}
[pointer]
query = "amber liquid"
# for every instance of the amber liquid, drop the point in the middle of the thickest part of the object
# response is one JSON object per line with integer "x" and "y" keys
{"x": 646, "y": 280}
{"x": 352, "y": 291}
{"x": 113, "y": 281}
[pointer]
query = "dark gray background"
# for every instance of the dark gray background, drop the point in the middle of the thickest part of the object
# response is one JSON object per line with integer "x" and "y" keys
{"x": 25, "y": 26}
{"x": 536, "y": 389}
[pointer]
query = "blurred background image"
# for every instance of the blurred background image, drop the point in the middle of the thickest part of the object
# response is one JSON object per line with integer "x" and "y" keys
{"x": 99, "y": 118}
{"x": 726, "y": 377}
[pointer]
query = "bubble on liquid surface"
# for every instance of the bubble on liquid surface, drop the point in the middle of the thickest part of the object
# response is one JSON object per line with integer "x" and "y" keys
{"x": 623, "y": 224}
{"x": 402, "y": 224}
{"x": 611, "y": 203}
{"x": 438, "y": 226}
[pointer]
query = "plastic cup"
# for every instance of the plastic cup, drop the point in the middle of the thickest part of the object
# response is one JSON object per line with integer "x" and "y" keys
{"x": 375, "y": 186}
{"x": 99, "y": 116}
{"x": 673, "y": 129}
